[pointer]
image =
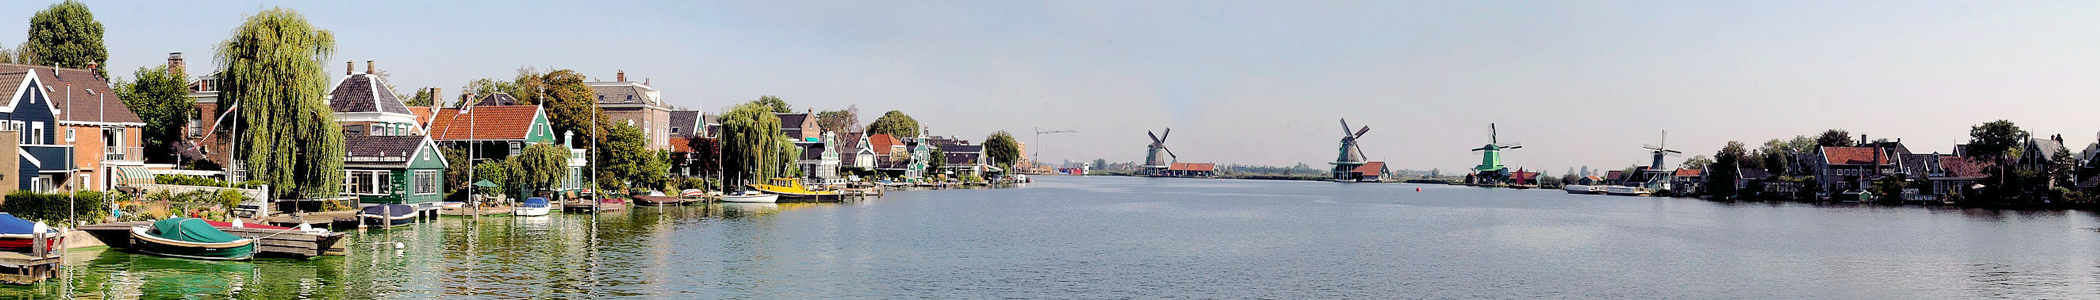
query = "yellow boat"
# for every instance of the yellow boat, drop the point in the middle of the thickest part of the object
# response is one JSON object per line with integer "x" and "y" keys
{"x": 792, "y": 188}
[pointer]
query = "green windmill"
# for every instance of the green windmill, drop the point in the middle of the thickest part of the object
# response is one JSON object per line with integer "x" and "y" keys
{"x": 1491, "y": 168}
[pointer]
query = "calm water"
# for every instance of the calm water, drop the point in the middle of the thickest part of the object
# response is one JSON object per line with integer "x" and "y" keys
{"x": 1112, "y": 237}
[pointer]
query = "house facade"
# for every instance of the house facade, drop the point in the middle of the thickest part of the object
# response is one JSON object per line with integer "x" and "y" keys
{"x": 492, "y": 131}
{"x": 394, "y": 169}
{"x": 637, "y": 104}
{"x": 105, "y": 134}
{"x": 45, "y": 163}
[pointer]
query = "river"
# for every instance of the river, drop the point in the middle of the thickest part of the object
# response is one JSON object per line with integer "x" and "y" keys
{"x": 1121, "y": 237}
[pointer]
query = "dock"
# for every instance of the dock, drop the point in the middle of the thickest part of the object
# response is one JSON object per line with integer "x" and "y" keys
{"x": 469, "y": 212}
{"x": 29, "y": 268}
{"x": 268, "y": 242}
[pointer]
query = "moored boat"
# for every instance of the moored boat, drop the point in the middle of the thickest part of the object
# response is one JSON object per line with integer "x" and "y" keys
{"x": 1585, "y": 189}
{"x": 387, "y": 215}
{"x": 18, "y": 235}
{"x": 792, "y": 188}
{"x": 1626, "y": 191}
{"x": 647, "y": 200}
{"x": 611, "y": 204}
{"x": 751, "y": 197}
{"x": 190, "y": 238}
{"x": 532, "y": 207}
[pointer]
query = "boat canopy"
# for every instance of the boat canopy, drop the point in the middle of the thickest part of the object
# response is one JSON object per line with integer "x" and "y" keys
{"x": 191, "y": 230}
{"x": 9, "y": 224}
{"x": 389, "y": 210}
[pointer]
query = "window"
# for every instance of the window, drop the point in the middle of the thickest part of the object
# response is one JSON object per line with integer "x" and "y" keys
{"x": 353, "y": 130}
{"x": 377, "y": 183}
{"x": 427, "y": 182}
{"x": 69, "y": 136}
{"x": 674, "y": 129}
{"x": 385, "y": 184}
{"x": 36, "y": 135}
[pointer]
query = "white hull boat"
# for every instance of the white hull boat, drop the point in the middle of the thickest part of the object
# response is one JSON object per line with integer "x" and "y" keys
{"x": 1626, "y": 191}
{"x": 532, "y": 207}
{"x": 751, "y": 197}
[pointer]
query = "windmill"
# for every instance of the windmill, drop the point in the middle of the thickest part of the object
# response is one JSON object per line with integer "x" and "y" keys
{"x": 1660, "y": 151}
{"x": 1351, "y": 155}
{"x": 1491, "y": 168}
{"x": 1154, "y": 161}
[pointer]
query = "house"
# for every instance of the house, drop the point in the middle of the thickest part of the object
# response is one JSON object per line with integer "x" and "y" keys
{"x": 1688, "y": 181}
{"x": 45, "y": 163}
{"x": 1369, "y": 171}
{"x": 394, "y": 169}
{"x": 491, "y": 131}
{"x": 364, "y": 105}
{"x": 799, "y": 126}
{"x": 637, "y": 104}
{"x": 1522, "y": 177}
{"x": 1842, "y": 169}
{"x": 963, "y": 158}
{"x": 104, "y": 133}
{"x": 1745, "y": 175}
{"x": 1958, "y": 176}
{"x": 855, "y": 151}
{"x": 1614, "y": 177}
{"x": 819, "y": 161}
{"x": 1195, "y": 170}
{"x": 688, "y": 124}
{"x": 1590, "y": 180}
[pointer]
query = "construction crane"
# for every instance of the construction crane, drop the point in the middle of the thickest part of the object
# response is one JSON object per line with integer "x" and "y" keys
{"x": 1039, "y": 132}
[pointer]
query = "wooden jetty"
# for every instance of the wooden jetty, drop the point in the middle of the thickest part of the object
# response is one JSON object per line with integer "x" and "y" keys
{"x": 469, "y": 212}
{"x": 29, "y": 268}
{"x": 268, "y": 242}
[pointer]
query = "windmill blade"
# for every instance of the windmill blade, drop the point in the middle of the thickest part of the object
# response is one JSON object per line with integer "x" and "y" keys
{"x": 1493, "y": 135}
{"x": 1163, "y": 135}
{"x": 1480, "y": 149}
{"x": 1170, "y": 153}
{"x": 1673, "y": 154}
{"x": 1513, "y": 147}
{"x": 1670, "y": 151}
{"x": 1345, "y": 127}
{"x": 1155, "y": 137}
{"x": 1651, "y": 147}
{"x": 1360, "y": 133}
{"x": 1511, "y": 144}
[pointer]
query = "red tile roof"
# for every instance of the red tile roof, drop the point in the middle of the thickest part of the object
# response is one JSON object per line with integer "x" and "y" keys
{"x": 1689, "y": 172}
{"x": 1853, "y": 156}
{"x": 882, "y": 142}
{"x": 1957, "y": 166}
{"x": 1614, "y": 175}
{"x": 512, "y": 122}
{"x": 1375, "y": 167}
{"x": 1200, "y": 167}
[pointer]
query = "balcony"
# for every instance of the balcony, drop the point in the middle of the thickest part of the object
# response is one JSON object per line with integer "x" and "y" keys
{"x": 124, "y": 154}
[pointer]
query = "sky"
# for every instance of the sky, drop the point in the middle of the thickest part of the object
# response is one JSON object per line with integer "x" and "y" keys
{"x": 1579, "y": 83}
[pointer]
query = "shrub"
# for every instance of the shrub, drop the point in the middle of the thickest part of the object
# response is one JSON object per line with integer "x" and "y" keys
{"x": 52, "y": 207}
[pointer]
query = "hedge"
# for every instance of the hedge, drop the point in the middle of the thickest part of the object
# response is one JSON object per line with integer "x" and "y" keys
{"x": 51, "y": 208}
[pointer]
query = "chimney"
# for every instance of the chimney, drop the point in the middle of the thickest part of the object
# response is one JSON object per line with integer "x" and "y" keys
{"x": 349, "y": 67}
{"x": 368, "y": 67}
{"x": 175, "y": 65}
{"x": 435, "y": 95}
{"x": 621, "y": 76}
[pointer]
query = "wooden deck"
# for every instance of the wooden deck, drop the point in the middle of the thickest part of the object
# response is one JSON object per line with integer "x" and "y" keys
{"x": 27, "y": 268}
{"x": 269, "y": 242}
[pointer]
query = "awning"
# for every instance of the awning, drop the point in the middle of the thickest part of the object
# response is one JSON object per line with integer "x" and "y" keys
{"x": 133, "y": 175}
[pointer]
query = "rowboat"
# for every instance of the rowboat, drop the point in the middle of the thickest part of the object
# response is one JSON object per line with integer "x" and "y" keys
{"x": 18, "y": 235}
{"x": 751, "y": 197}
{"x": 532, "y": 207}
{"x": 611, "y": 204}
{"x": 190, "y": 238}
{"x": 388, "y": 215}
{"x": 647, "y": 200}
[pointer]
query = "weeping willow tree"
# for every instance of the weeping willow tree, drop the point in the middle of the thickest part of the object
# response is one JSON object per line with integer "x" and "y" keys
{"x": 287, "y": 136}
{"x": 540, "y": 167}
{"x": 751, "y": 144}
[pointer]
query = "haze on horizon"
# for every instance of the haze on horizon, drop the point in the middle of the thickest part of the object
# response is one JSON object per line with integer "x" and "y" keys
{"x": 1579, "y": 83}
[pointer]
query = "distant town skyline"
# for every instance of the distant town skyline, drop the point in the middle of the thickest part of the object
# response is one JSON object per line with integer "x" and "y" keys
{"x": 1579, "y": 83}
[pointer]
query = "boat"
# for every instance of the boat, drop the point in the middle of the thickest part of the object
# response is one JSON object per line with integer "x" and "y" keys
{"x": 648, "y": 200}
{"x": 387, "y": 215}
{"x": 792, "y": 188}
{"x": 751, "y": 197}
{"x": 1585, "y": 189}
{"x": 1626, "y": 191}
{"x": 453, "y": 205}
{"x": 532, "y": 207}
{"x": 692, "y": 193}
{"x": 190, "y": 238}
{"x": 18, "y": 235}
{"x": 611, "y": 204}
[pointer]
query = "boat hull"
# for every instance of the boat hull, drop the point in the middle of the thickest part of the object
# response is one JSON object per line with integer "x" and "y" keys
{"x": 242, "y": 249}
{"x": 23, "y": 242}
{"x": 530, "y": 211}
{"x": 656, "y": 200}
{"x": 751, "y": 199}
{"x": 378, "y": 220}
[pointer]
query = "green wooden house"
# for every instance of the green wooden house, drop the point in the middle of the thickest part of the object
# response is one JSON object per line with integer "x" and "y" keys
{"x": 394, "y": 170}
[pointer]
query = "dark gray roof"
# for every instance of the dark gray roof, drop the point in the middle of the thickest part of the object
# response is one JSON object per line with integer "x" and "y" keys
{"x": 496, "y": 99}
{"x": 365, "y": 93}
{"x": 618, "y": 93}
{"x": 792, "y": 120}
{"x": 379, "y": 150}
{"x": 961, "y": 158}
{"x": 684, "y": 121}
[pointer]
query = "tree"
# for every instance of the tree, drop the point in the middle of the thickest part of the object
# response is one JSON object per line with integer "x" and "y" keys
{"x": 702, "y": 160}
{"x": 897, "y": 124}
{"x": 540, "y": 167}
{"x": 627, "y": 159}
{"x": 495, "y": 171}
{"x": 569, "y": 103}
{"x": 422, "y": 98}
{"x": 160, "y": 97}
{"x": 1725, "y": 170}
{"x": 775, "y": 104}
{"x": 1435, "y": 173}
{"x": 1697, "y": 162}
{"x": 1996, "y": 141}
{"x": 271, "y": 69}
{"x": 1002, "y": 149}
{"x": 750, "y": 135}
{"x": 456, "y": 172}
{"x": 477, "y": 88}
{"x": 1835, "y": 138}
{"x": 936, "y": 159}
{"x": 19, "y": 55}
{"x": 842, "y": 121}
{"x": 66, "y": 35}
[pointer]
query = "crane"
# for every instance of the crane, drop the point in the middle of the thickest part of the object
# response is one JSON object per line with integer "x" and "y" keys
{"x": 1039, "y": 132}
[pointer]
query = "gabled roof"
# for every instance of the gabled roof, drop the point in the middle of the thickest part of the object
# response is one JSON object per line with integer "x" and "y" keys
{"x": 1963, "y": 167}
{"x": 684, "y": 121}
{"x": 364, "y": 93}
{"x": 1371, "y": 167}
{"x": 1853, "y": 156}
{"x": 883, "y": 142}
{"x": 1752, "y": 173}
{"x": 623, "y": 92}
{"x": 84, "y": 106}
{"x": 495, "y": 99}
{"x": 1688, "y": 172}
{"x": 1195, "y": 167}
{"x": 792, "y": 121}
{"x": 375, "y": 150}
{"x": 487, "y": 123}
{"x": 849, "y": 141}
{"x": 1593, "y": 178}
{"x": 2044, "y": 146}
{"x": 1615, "y": 175}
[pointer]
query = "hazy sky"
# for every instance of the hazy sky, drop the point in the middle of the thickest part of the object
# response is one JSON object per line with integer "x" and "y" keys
{"x": 1578, "y": 82}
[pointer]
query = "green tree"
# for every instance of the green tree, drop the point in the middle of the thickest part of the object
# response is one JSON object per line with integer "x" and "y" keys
{"x": 271, "y": 69}
{"x": 66, "y": 35}
{"x": 841, "y": 121}
{"x": 1835, "y": 138}
{"x": 1725, "y": 170}
{"x": 161, "y": 99}
{"x": 19, "y": 55}
{"x": 1697, "y": 162}
{"x": 496, "y": 171}
{"x": 540, "y": 167}
{"x": 422, "y": 98}
{"x": 1996, "y": 141}
{"x": 1002, "y": 149}
{"x": 569, "y": 103}
{"x": 627, "y": 159}
{"x": 936, "y": 159}
{"x": 485, "y": 86}
{"x": 456, "y": 172}
{"x": 899, "y": 125}
{"x": 750, "y": 137}
{"x": 775, "y": 104}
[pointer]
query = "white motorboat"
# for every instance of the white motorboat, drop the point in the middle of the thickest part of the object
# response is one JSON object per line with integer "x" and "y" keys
{"x": 751, "y": 197}
{"x": 1584, "y": 189}
{"x": 1626, "y": 191}
{"x": 532, "y": 207}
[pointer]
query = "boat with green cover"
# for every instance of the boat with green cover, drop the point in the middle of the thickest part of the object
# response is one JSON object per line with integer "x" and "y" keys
{"x": 190, "y": 238}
